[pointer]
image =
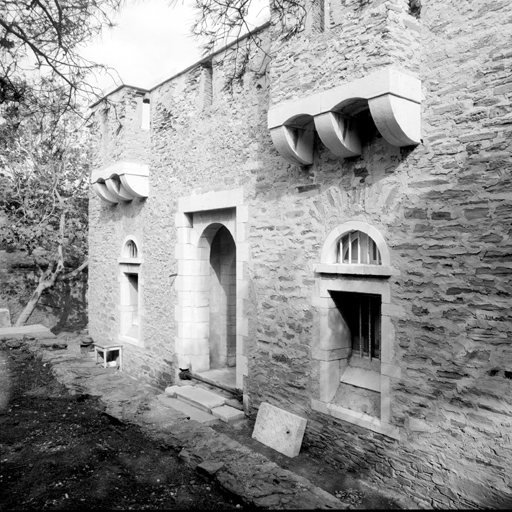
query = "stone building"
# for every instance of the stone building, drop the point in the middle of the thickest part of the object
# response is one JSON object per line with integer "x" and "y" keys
{"x": 328, "y": 225}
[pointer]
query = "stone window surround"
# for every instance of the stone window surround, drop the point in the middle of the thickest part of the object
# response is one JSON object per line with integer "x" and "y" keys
{"x": 331, "y": 356}
{"x": 128, "y": 266}
{"x": 196, "y": 213}
{"x": 394, "y": 101}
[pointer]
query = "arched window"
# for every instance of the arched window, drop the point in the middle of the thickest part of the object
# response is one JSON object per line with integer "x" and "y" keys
{"x": 354, "y": 347}
{"x": 130, "y": 250}
{"x": 130, "y": 292}
{"x": 357, "y": 247}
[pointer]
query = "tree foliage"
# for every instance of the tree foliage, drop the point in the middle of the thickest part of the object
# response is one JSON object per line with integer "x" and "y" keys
{"x": 220, "y": 21}
{"x": 46, "y": 36}
{"x": 44, "y": 169}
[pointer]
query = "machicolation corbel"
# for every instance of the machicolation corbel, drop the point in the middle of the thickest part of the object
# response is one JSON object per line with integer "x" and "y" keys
{"x": 392, "y": 97}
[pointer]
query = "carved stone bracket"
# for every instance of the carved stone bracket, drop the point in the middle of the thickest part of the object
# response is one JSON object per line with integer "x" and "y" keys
{"x": 121, "y": 182}
{"x": 394, "y": 101}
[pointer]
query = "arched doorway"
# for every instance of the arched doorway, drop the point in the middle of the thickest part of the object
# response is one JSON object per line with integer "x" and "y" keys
{"x": 222, "y": 341}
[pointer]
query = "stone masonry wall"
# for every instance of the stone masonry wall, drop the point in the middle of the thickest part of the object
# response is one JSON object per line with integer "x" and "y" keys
{"x": 443, "y": 208}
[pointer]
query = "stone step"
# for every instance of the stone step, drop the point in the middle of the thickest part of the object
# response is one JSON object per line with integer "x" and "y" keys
{"x": 228, "y": 414}
{"x": 200, "y": 398}
{"x": 192, "y": 413}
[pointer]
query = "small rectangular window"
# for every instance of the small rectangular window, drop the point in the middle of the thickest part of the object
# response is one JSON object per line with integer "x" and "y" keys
{"x": 361, "y": 313}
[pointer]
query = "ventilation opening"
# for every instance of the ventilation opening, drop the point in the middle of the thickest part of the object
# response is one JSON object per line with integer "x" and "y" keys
{"x": 415, "y": 8}
{"x": 146, "y": 114}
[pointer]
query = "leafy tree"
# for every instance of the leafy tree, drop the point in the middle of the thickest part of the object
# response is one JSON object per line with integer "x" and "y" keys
{"x": 44, "y": 169}
{"x": 43, "y": 38}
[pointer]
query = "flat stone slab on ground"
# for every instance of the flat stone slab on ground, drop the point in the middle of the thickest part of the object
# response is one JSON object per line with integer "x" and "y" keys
{"x": 188, "y": 410}
{"x": 281, "y": 430}
{"x": 228, "y": 414}
{"x": 201, "y": 398}
{"x": 36, "y": 331}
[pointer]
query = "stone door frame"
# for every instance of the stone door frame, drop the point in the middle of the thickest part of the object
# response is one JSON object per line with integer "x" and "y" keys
{"x": 195, "y": 220}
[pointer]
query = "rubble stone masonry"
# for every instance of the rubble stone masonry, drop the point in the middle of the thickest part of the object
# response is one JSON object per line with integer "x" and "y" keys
{"x": 444, "y": 209}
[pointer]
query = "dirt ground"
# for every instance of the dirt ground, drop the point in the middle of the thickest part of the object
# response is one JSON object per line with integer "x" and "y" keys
{"x": 61, "y": 451}
{"x": 341, "y": 484}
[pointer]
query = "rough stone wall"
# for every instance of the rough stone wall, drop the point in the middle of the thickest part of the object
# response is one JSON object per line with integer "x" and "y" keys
{"x": 442, "y": 207}
{"x": 444, "y": 210}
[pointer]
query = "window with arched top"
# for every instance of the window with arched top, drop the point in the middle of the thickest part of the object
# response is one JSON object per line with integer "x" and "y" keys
{"x": 130, "y": 303}
{"x": 354, "y": 347}
{"x": 131, "y": 250}
{"x": 357, "y": 247}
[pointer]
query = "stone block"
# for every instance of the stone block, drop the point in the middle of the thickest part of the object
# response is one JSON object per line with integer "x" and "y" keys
{"x": 209, "y": 467}
{"x": 281, "y": 430}
{"x": 201, "y": 398}
{"x": 171, "y": 391}
{"x": 228, "y": 414}
{"x": 5, "y": 317}
{"x": 191, "y": 412}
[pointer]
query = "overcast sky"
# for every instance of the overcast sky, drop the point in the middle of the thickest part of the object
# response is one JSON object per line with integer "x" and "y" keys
{"x": 151, "y": 42}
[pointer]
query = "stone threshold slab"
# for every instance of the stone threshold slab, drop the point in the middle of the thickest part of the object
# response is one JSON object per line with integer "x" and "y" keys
{"x": 201, "y": 398}
{"x": 191, "y": 412}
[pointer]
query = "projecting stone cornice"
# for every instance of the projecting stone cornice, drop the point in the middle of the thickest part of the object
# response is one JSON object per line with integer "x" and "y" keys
{"x": 392, "y": 97}
{"x": 122, "y": 181}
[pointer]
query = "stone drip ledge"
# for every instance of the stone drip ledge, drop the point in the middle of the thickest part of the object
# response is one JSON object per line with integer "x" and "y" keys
{"x": 251, "y": 476}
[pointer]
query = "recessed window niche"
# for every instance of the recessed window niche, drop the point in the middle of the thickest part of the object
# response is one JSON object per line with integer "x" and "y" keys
{"x": 354, "y": 342}
{"x": 130, "y": 292}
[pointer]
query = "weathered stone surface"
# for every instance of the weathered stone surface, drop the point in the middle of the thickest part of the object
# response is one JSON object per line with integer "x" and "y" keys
{"x": 39, "y": 331}
{"x": 171, "y": 391}
{"x": 279, "y": 429}
{"x": 198, "y": 397}
{"x": 228, "y": 414}
{"x": 210, "y": 467}
{"x": 191, "y": 412}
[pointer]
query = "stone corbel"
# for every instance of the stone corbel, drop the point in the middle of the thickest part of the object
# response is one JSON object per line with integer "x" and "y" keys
{"x": 123, "y": 181}
{"x": 393, "y": 99}
{"x": 294, "y": 144}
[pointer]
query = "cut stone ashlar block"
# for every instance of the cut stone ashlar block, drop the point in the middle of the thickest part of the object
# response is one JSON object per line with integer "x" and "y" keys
{"x": 122, "y": 181}
{"x": 228, "y": 414}
{"x": 201, "y": 398}
{"x": 281, "y": 430}
{"x": 394, "y": 101}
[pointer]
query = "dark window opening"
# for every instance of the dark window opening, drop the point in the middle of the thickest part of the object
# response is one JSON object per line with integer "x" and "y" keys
{"x": 131, "y": 249}
{"x": 361, "y": 313}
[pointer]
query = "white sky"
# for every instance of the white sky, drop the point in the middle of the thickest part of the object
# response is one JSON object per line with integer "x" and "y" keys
{"x": 151, "y": 42}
